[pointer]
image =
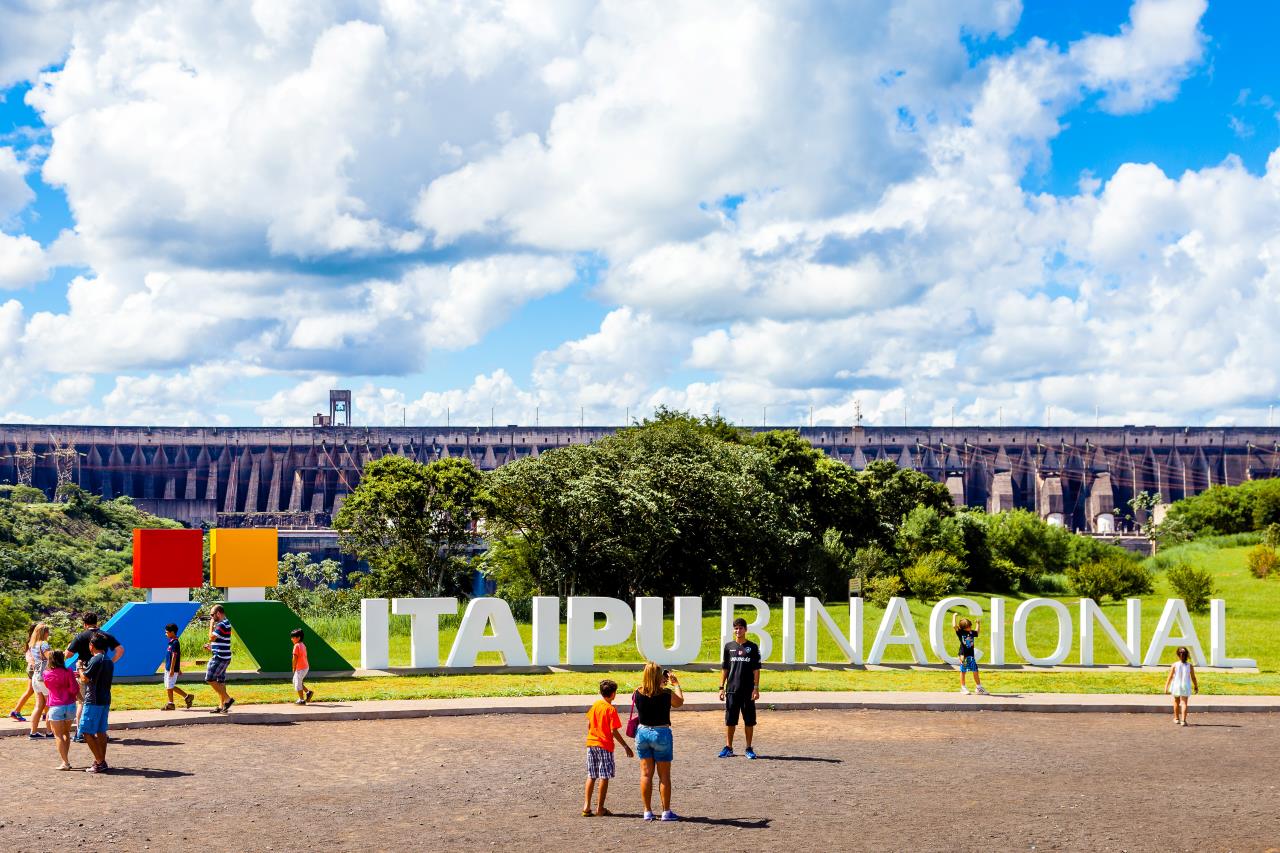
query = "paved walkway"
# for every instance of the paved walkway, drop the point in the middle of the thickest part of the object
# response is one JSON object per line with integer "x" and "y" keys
{"x": 881, "y": 701}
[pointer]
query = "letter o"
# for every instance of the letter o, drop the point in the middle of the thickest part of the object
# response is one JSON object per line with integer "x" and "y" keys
{"x": 1064, "y": 631}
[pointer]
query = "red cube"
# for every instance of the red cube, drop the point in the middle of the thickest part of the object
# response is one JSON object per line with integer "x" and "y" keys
{"x": 168, "y": 558}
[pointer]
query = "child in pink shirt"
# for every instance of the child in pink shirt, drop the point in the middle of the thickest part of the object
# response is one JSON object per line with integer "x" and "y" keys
{"x": 64, "y": 690}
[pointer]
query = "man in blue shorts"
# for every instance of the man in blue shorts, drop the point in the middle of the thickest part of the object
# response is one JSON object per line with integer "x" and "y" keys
{"x": 96, "y": 678}
{"x": 219, "y": 646}
{"x": 739, "y": 686}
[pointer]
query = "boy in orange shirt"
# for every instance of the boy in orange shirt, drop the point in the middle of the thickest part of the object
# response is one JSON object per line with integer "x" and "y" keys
{"x": 300, "y": 667}
{"x": 603, "y": 727}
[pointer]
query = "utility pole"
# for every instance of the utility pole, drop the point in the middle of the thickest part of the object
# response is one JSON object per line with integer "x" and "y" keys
{"x": 491, "y": 417}
{"x": 447, "y": 412}
{"x": 1000, "y": 416}
{"x": 1097, "y": 416}
{"x": 764, "y": 417}
{"x": 537, "y": 416}
{"x": 811, "y": 416}
{"x": 953, "y": 416}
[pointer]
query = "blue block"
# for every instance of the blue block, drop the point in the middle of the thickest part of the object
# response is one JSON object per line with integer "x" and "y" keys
{"x": 139, "y": 627}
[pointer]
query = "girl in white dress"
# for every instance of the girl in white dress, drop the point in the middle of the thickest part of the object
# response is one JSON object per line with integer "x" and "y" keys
{"x": 1180, "y": 683}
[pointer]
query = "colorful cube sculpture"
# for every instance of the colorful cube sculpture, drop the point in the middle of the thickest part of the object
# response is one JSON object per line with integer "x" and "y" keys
{"x": 168, "y": 559}
{"x": 243, "y": 557}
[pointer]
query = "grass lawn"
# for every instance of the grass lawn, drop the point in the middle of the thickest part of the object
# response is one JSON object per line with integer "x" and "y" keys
{"x": 1253, "y": 611}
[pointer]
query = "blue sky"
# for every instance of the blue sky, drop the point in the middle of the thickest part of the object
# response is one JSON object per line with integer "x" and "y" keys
{"x": 535, "y": 212}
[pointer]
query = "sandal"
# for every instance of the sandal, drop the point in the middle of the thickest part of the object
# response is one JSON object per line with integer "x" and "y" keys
{"x": 586, "y": 812}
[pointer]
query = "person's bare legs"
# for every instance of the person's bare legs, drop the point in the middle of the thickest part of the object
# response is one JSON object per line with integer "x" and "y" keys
{"x": 98, "y": 746}
{"x": 604, "y": 789}
{"x": 586, "y": 802}
{"x": 646, "y": 782}
{"x": 1176, "y": 718}
{"x": 747, "y": 730}
{"x": 664, "y": 784}
{"x": 62, "y": 734}
{"x": 38, "y": 712}
{"x": 1185, "y": 701}
{"x": 728, "y": 735}
{"x": 221, "y": 689}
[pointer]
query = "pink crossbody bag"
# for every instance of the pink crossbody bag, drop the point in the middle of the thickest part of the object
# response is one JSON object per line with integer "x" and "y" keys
{"x": 633, "y": 721}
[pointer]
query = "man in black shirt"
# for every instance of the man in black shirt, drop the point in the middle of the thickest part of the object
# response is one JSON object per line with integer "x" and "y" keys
{"x": 79, "y": 646}
{"x": 96, "y": 678}
{"x": 739, "y": 686}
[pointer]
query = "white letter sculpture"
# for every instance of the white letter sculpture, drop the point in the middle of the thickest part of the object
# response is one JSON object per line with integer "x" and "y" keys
{"x": 546, "y": 630}
{"x": 583, "y": 637}
{"x": 1175, "y": 613}
{"x": 816, "y": 616}
{"x": 1130, "y": 648}
{"x": 471, "y": 639}
{"x": 897, "y": 612}
{"x": 1020, "y": 631}
{"x": 1218, "y": 639}
{"x": 375, "y": 634}
{"x": 688, "y": 630}
{"x": 754, "y": 626}
{"x": 424, "y": 627}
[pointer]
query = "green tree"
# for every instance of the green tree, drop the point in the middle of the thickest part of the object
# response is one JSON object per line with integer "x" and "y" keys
{"x": 1029, "y": 544}
{"x": 412, "y": 524}
{"x": 893, "y": 492}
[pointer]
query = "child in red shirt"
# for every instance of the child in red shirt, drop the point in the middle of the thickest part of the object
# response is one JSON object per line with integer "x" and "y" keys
{"x": 603, "y": 728}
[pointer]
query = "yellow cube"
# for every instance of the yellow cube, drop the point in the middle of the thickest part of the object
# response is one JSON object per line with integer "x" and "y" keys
{"x": 243, "y": 557}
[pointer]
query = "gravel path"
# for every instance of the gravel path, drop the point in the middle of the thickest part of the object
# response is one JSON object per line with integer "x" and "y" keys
{"x": 847, "y": 780}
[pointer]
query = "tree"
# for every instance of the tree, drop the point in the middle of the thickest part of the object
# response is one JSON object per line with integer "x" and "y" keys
{"x": 893, "y": 492}
{"x": 1029, "y": 544}
{"x": 412, "y": 523}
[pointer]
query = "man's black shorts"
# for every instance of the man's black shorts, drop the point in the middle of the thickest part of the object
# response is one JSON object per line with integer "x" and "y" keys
{"x": 735, "y": 703}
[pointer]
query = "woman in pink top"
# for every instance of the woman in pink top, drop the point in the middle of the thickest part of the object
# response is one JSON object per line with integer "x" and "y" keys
{"x": 63, "y": 692}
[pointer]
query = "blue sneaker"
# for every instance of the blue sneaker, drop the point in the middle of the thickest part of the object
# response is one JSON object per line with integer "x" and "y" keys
{"x": 727, "y": 752}
{"x": 648, "y": 815}
{"x": 751, "y": 753}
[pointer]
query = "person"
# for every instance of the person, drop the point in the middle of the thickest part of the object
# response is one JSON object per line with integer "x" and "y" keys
{"x": 967, "y": 633}
{"x": 173, "y": 669}
{"x": 739, "y": 686}
{"x": 603, "y": 728}
{"x": 300, "y": 667}
{"x": 96, "y": 679}
{"x": 37, "y": 662}
{"x": 215, "y": 674}
{"x": 16, "y": 713}
{"x": 658, "y": 693}
{"x": 63, "y": 694}
{"x": 1179, "y": 683}
{"x": 79, "y": 646}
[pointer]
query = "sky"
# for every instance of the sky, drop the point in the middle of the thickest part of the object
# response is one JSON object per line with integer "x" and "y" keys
{"x": 530, "y": 212}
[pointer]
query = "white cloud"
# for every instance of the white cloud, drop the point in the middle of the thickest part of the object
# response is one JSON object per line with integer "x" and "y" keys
{"x": 1147, "y": 61}
{"x": 789, "y": 207}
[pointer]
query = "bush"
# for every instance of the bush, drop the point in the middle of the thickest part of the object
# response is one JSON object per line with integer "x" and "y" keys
{"x": 1271, "y": 535}
{"x": 1192, "y": 585}
{"x": 879, "y": 590}
{"x": 871, "y": 562}
{"x": 934, "y": 575}
{"x": 1262, "y": 560}
{"x": 1118, "y": 578}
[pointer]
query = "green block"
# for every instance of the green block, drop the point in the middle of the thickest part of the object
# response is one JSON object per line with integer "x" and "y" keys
{"x": 263, "y": 627}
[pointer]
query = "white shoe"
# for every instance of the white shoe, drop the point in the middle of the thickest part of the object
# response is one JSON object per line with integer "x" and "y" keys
{"x": 982, "y": 691}
{"x": 964, "y": 690}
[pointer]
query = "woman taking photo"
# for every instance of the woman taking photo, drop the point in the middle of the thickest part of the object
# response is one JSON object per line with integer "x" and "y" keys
{"x": 659, "y": 692}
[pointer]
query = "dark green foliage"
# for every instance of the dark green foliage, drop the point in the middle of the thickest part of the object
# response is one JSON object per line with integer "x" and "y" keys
{"x": 1252, "y": 505}
{"x": 15, "y": 624}
{"x": 307, "y": 588}
{"x": 1118, "y": 577}
{"x": 934, "y": 575}
{"x": 1192, "y": 585}
{"x": 894, "y": 492}
{"x": 412, "y": 523}
{"x": 1027, "y": 544}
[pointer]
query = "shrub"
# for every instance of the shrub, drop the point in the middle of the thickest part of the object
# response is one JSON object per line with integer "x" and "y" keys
{"x": 1262, "y": 560}
{"x": 871, "y": 562}
{"x": 934, "y": 575}
{"x": 879, "y": 590}
{"x": 1192, "y": 585}
{"x": 1272, "y": 535}
{"x": 1117, "y": 577}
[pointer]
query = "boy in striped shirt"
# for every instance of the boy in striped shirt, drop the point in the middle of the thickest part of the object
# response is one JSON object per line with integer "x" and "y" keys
{"x": 219, "y": 646}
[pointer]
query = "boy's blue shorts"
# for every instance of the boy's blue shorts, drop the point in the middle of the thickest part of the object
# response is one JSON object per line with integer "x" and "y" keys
{"x": 93, "y": 720}
{"x": 969, "y": 664}
{"x": 654, "y": 743}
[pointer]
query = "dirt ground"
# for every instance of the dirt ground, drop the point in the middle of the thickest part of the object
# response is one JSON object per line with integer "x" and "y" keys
{"x": 859, "y": 780}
